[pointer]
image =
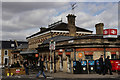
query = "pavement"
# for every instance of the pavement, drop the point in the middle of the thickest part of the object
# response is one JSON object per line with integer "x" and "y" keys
{"x": 63, "y": 76}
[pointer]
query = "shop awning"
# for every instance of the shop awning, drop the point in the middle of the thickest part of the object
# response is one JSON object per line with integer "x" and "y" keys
{"x": 29, "y": 52}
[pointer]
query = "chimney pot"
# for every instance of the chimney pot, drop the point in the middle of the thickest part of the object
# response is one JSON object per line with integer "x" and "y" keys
{"x": 99, "y": 28}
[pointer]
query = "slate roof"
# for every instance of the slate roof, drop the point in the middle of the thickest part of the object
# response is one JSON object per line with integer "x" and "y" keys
{"x": 58, "y": 39}
{"x": 28, "y": 51}
{"x": 7, "y": 44}
{"x": 68, "y": 38}
{"x": 61, "y": 27}
{"x": 22, "y": 46}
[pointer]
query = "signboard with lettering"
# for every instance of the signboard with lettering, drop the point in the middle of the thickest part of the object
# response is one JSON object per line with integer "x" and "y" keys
{"x": 68, "y": 50}
{"x": 17, "y": 70}
{"x": 110, "y": 33}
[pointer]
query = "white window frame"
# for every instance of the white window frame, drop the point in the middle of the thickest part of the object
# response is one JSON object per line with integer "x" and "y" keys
{"x": 0, "y": 57}
{"x": 7, "y": 61}
{"x": 0, "y": 52}
{"x": 4, "y": 52}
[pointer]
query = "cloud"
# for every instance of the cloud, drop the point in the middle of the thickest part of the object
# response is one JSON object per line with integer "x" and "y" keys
{"x": 61, "y": 1}
{"x": 22, "y": 19}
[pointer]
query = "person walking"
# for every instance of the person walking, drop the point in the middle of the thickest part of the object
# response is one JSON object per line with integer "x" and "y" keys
{"x": 25, "y": 64}
{"x": 41, "y": 68}
{"x": 101, "y": 70}
{"x": 108, "y": 65}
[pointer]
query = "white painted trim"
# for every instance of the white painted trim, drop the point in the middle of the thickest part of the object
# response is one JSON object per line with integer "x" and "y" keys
{"x": 0, "y": 59}
{"x": 0, "y": 52}
{"x": 4, "y": 59}
{"x": 84, "y": 32}
{"x": 4, "y": 52}
{"x": 59, "y": 31}
{"x": 40, "y": 34}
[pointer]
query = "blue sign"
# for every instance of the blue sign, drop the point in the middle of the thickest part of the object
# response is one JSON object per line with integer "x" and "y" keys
{"x": 97, "y": 62}
{"x": 74, "y": 63}
{"x": 83, "y": 63}
{"x": 91, "y": 63}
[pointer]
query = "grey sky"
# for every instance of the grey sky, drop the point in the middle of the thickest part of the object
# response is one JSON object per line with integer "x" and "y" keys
{"x": 21, "y": 19}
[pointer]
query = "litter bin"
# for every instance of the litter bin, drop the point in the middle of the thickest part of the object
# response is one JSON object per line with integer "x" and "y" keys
{"x": 84, "y": 67}
{"x": 97, "y": 66}
{"x": 91, "y": 64}
{"x": 76, "y": 67}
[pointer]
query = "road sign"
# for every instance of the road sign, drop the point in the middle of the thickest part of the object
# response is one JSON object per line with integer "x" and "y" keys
{"x": 52, "y": 45}
{"x": 110, "y": 33}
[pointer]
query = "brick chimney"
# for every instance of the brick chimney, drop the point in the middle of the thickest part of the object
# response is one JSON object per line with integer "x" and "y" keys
{"x": 99, "y": 28}
{"x": 71, "y": 24}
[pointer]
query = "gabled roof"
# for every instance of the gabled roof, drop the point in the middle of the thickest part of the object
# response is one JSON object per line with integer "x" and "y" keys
{"x": 61, "y": 27}
{"x": 7, "y": 44}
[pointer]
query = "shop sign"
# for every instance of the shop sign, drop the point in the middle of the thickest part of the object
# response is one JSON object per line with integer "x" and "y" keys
{"x": 80, "y": 55}
{"x": 17, "y": 70}
{"x": 60, "y": 50}
{"x": 110, "y": 33}
{"x": 36, "y": 55}
{"x": 68, "y": 50}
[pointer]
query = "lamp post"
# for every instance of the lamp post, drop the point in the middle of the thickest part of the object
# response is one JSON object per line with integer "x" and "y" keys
{"x": 52, "y": 48}
{"x": 54, "y": 62}
{"x": 104, "y": 50}
{"x": 75, "y": 54}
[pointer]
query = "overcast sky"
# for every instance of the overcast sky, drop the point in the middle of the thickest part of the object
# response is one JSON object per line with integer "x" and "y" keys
{"x": 22, "y": 19}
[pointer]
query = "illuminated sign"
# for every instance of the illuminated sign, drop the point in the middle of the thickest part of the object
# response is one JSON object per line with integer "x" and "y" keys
{"x": 110, "y": 33}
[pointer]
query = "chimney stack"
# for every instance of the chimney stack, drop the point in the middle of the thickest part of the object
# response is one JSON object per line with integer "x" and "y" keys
{"x": 99, "y": 28}
{"x": 71, "y": 24}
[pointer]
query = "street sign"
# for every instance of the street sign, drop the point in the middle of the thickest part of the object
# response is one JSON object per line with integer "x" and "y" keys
{"x": 68, "y": 50}
{"x": 110, "y": 33}
{"x": 52, "y": 45}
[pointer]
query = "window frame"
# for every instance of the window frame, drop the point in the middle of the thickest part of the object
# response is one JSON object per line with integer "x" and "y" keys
{"x": 5, "y": 52}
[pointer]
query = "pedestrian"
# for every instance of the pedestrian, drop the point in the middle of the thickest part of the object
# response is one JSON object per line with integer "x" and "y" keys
{"x": 108, "y": 65}
{"x": 26, "y": 66}
{"x": 101, "y": 70}
{"x": 41, "y": 68}
{"x": 17, "y": 65}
